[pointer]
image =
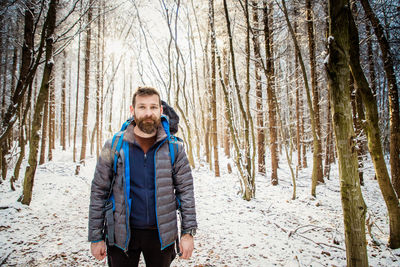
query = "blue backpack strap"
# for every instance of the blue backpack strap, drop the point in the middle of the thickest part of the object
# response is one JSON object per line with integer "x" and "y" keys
{"x": 172, "y": 140}
{"x": 120, "y": 136}
{"x": 126, "y": 123}
{"x": 173, "y": 148}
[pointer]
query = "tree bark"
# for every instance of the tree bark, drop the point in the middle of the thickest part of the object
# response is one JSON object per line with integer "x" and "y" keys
{"x": 77, "y": 91}
{"x": 314, "y": 87}
{"x": 37, "y": 117}
{"x": 316, "y": 144}
{"x": 213, "y": 97}
{"x": 52, "y": 116}
{"x": 227, "y": 139}
{"x": 371, "y": 64}
{"x": 298, "y": 100}
{"x": 246, "y": 172}
{"x": 270, "y": 74}
{"x": 393, "y": 95}
{"x": 87, "y": 90}
{"x": 98, "y": 81}
{"x": 28, "y": 69}
{"x": 259, "y": 94}
{"x": 63, "y": 101}
{"x": 358, "y": 116}
{"x": 22, "y": 140}
{"x": 371, "y": 127}
{"x": 354, "y": 208}
{"x": 45, "y": 135}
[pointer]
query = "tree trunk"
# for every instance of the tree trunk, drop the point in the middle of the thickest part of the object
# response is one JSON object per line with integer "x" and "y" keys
{"x": 27, "y": 71}
{"x": 249, "y": 126}
{"x": 357, "y": 119}
{"x": 98, "y": 81}
{"x": 52, "y": 117}
{"x": 314, "y": 87}
{"x": 5, "y": 49}
{"x": 42, "y": 157}
{"x": 14, "y": 69}
{"x": 37, "y": 117}
{"x": 259, "y": 94}
{"x": 298, "y": 100}
{"x": 111, "y": 99}
{"x": 22, "y": 140}
{"x": 87, "y": 91}
{"x": 227, "y": 139}
{"x": 69, "y": 103}
{"x": 213, "y": 97}
{"x": 77, "y": 91}
{"x": 329, "y": 143}
{"x": 316, "y": 144}
{"x": 269, "y": 73}
{"x": 387, "y": 59}
{"x": 63, "y": 101}
{"x": 371, "y": 64}
{"x": 246, "y": 172}
{"x": 374, "y": 143}
{"x": 354, "y": 208}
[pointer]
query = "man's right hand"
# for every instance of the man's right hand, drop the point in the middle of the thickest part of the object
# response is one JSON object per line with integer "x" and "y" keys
{"x": 99, "y": 250}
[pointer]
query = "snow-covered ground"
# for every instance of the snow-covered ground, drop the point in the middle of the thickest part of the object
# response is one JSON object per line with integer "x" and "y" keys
{"x": 270, "y": 230}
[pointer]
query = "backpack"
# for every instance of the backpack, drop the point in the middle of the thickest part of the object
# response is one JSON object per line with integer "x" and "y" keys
{"x": 118, "y": 140}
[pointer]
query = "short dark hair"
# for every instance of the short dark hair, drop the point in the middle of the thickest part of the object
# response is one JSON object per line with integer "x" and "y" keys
{"x": 145, "y": 90}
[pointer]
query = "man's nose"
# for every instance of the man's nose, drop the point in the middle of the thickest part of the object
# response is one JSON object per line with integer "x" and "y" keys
{"x": 148, "y": 112}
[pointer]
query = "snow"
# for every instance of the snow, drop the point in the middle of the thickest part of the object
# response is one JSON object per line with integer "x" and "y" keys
{"x": 270, "y": 230}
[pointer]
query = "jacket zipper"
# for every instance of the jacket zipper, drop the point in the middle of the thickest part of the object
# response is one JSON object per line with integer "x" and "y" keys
{"x": 127, "y": 207}
{"x": 145, "y": 186}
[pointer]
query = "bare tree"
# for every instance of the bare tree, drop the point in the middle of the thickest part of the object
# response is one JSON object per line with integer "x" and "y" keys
{"x": 393, "y": 95}
{"x": 49, "y": 27}
{"x": 373, "y": 134}
{"x": 63, "y": 123}
{"x": 314, "y": 87}
{"x": 316, "y": 144}
{"x": 271, "y": 96}
{"x": 87, "y": 90}
{"x": 354, "y": 208}
{"x": 213, "y": 96}
{"x": 259, "y": 94}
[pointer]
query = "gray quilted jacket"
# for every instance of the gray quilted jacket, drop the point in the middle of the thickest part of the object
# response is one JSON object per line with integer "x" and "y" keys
{"x": 169, "y": 190}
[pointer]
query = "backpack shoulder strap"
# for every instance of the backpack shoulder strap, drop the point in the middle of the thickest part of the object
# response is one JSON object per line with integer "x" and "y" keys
{"x": 118, "y": 137}
{"x": 116, "y": 145}
{"x": 173, "y": 148}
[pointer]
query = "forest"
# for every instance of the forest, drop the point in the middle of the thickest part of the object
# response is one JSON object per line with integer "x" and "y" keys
{"x": 296, "y": 96}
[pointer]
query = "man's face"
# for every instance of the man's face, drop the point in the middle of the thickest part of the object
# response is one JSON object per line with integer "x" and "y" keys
{"x": 147, "y": 112}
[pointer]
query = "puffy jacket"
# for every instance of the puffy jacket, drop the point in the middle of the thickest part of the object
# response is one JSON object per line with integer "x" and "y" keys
{"x": 168, "y": 190}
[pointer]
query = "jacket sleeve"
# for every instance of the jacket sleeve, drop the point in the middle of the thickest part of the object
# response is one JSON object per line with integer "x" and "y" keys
{"x": 99, "y": 191}
{"x": 184, "y": 190}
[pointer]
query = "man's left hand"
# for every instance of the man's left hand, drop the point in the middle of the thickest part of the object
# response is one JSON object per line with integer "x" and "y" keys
{"x": 186, "y": 246}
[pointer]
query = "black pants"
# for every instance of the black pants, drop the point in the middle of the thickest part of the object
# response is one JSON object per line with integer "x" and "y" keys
{"x": 145, "y": 241}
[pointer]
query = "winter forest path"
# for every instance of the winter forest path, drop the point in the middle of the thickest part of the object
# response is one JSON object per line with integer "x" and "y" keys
{"x": 270, "y": 230}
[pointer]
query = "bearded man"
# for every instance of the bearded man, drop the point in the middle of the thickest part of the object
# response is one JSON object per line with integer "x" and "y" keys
{"x": 146, "y": 190}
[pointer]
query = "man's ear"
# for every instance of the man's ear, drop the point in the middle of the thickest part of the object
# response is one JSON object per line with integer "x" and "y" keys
{"x": 132, "y": 110}
{"x": 161, "y": 109}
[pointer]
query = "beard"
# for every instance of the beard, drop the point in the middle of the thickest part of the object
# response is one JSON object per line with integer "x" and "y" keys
{"x": 148, "y": 124}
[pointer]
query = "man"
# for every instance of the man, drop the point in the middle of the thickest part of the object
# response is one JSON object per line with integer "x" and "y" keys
{"x": 145, "y": 195}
